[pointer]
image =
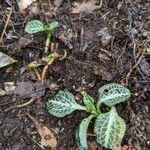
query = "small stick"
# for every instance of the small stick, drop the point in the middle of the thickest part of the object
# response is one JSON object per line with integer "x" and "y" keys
{"x": 53, "y": 47}
{"x": 20, "y": 105}
{"x": 6, "y": 24}
{"x": 128, "y": 75}
{"x": 47, "y": 42}
{"x": 46, "y": 67}
{"x": 89, "y": 134}
{"x": 37, "y": 143}
{"x": 64, "y": 56}
{"x": 37, "y": 74}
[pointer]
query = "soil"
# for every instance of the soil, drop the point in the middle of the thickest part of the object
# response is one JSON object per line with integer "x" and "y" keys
{"x": 103, "y": 46}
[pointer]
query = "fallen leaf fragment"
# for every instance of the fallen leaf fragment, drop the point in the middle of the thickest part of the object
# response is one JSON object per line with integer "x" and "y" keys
{"x": 47, "y": 137}
{"x": 23, "y": 4}
{"x": 87, "y": 7}
{"x": 2, "y": 92}
{"x": 29, "y": 89}
{"x": 23, "y": 41}
{"x": 6, "y": 60}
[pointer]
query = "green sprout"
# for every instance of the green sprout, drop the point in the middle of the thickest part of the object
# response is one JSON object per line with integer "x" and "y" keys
{"x": 109, "y": 126}
{"x": 33, "y": 65}
{"x": 35, "y": 26}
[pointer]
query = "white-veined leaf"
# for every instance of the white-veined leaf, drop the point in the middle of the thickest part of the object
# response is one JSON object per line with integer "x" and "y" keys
{"x": 34, "y": 26}
{"x": 63, "y": 104}
{"x": 111, "y": 94}
{"x": 110, "y": 129}
{"x": 89, "y": 103}
{"x": 81, "y": 133}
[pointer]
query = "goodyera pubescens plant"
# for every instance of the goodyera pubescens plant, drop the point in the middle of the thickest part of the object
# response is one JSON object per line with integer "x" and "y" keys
{"x": 35, "y": 26}
{"x": 109, "y": 127}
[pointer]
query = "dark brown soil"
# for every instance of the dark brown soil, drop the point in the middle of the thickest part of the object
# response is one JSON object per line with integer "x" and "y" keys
{"x": 102, "y": 46}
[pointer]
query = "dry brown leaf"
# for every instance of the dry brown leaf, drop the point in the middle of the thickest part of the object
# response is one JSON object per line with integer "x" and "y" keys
{"x": 23, "y": 4}
{"x": 87, "y": 7}
{"x": 47, "y": 137}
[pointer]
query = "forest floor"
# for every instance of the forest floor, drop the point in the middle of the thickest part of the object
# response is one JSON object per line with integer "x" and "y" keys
{"x": 106, "y": 42}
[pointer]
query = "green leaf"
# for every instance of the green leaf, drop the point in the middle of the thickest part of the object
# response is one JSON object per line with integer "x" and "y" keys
{"x": 81, "y": 133}
{"x": 110, "y": 129}
{"x": 34, "y": 26}
{"x": 51, "y": 26}
{"x": 33, "y": 65}
{"x": 112, "y": 94}
{"x": 89, "y": 103}
{"x": 63, "y": 104}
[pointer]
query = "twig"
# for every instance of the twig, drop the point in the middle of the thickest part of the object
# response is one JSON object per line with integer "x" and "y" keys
{"x": 101, "y": 3}
{"x": 135, "y": 61}
{"x": 93, "y": 135}
{"x": 26, "y": 104}
{"x": 37, "y": 74}
{"x": 20, "y": 105}
{"x": 37, "y": 143}
{"x": 47, "y": 65}
{"x": 64, "y": 56}
{"x": 128, "y": 75}
{"x": 6, "y": 24}
{"x": 47, "y": 42}
{"x": 104, "y": 15}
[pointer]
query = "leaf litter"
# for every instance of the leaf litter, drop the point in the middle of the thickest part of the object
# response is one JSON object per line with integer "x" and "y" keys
{"x": 47, "y": 137}
{"x": 6, "y": 60}
{"x": 23, "y": 4}
{"x": 87, "y": 7}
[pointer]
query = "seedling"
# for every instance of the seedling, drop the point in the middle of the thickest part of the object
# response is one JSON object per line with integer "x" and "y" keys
{"x": 35, "y": 26}
{"x": 109, "y": 127}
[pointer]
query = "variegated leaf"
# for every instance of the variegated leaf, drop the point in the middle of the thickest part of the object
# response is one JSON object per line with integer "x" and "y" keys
{"x": 89, "y": 103}
{"x": 81, "y": 133}
{"x": 112, "y": 94}
{"x": 34, "y": 26}
{"x": 110, "y": 129}
{"x": 63, "y": 104}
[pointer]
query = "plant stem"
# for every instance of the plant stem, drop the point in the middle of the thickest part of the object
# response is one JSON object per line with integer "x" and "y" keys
{"x": 98, "y": 109}
{"x": 81, "y": 107}
{"x": 47, "y": 42}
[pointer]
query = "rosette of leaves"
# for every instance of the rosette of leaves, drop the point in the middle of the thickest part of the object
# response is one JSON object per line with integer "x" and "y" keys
{"x": 35, "y": 26}
{"x": 108, "y": 127}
